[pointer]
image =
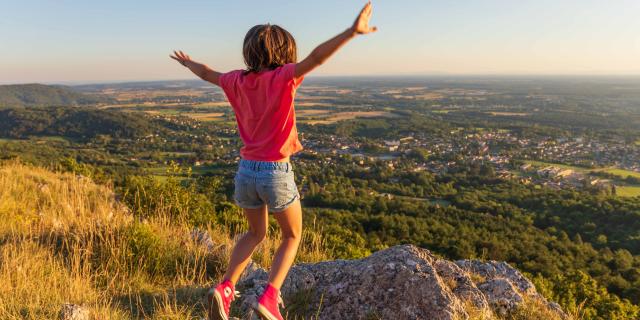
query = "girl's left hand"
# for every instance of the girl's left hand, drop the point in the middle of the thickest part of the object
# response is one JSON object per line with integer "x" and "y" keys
{"x": 361, "y": 25}
{"x": 181, "y": 57}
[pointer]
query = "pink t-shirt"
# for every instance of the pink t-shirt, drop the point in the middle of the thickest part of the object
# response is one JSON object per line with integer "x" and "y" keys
{"x": 263, "y": 104}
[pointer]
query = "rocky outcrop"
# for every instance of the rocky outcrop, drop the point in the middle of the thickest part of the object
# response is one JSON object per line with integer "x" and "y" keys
{"x": 402, "y": 282}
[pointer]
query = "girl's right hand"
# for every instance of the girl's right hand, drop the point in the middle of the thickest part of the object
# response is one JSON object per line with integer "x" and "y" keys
{"x": 181, "y": 57}
{"x": 361, "y": 25}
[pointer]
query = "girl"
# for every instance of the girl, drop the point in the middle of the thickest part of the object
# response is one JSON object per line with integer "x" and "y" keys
{"x": 262, "y": 99}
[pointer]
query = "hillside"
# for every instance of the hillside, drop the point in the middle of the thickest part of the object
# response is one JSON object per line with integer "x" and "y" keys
{"x": 77, "y": 123}
{"x": 39, "y": 95}
{"x": 64, "y": 233}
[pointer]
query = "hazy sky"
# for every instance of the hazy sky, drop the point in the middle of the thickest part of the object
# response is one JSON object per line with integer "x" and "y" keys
{"x": 117, "y": 40}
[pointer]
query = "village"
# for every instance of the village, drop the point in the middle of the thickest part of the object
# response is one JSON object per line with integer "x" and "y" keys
{"x": 544, "y": 161}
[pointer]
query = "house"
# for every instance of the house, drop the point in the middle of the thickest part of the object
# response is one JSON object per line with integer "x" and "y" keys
{"x": 525, "y": 167}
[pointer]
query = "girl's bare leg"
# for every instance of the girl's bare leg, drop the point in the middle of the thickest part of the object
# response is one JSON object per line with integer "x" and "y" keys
{"x": 290, "y": 221}
{"x": 242, "y": 251}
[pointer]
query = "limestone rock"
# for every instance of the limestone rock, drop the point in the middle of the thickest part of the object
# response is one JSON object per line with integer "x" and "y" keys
{"x": 73, "y": 312}
{"x": 402, "y": 282}
{"x": 494, "y": 269}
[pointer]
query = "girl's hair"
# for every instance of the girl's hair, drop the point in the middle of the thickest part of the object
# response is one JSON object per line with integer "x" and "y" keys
{"x": 268, "y": 46}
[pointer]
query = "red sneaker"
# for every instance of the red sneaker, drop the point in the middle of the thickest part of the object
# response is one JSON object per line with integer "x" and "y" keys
{"x": 219, "y": 299}
{"x": 267, "y": 306}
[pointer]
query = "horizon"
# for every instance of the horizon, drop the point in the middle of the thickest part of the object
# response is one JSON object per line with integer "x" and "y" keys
{"x": 117, "y": 41}
{"x": 479, "y": 77}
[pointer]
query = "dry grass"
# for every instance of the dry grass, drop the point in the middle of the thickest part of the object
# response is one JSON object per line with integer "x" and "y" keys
{"x": 535, "y": 309}
{"x": 311, "y": 112}
{"x": 209, "y": 116}
{"x": 509, "y": 114}
{"x": 531, "y": 309}
{"x": 64, "y": 239}
{"x": 347, "y": 115}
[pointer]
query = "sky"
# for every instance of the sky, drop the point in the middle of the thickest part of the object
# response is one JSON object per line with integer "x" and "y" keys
{"x": 89, "y": 41}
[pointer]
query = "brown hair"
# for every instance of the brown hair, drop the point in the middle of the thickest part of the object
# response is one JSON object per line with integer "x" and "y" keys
{"x": 268, "y": 46}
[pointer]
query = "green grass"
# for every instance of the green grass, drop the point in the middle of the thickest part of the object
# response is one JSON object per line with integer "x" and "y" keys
{"x": 628, "y": 191}
{"x": 615, "y": 171}
{"x": 622, "y": 191}
{"x": 158, "y": 170}
{"x": 621, "y": 172}
{"x": 209, "y": 168}
{"x": 177, "y": 154}
{"x": 562, "y": 166}
{"x": 54, "y": 138}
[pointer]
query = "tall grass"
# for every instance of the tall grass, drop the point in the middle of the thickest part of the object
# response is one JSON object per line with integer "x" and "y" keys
{"x": 64, "y": 239}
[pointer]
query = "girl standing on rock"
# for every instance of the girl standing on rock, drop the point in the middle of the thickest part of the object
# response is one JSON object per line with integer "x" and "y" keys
{"x": 262, "y": 98}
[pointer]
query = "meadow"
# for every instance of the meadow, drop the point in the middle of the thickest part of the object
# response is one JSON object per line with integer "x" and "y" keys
{"x": 623, "y": 189}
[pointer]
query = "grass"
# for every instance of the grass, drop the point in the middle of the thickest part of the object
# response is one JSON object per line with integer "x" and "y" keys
{"x": 347, "y": 115}
{"x": 211, "y": 116}
{"x": 628, "y": 191}
{"x": 64, "y": 239}
{"x": 624, "y": 190}
{"x": 561, "y": 166}
{"x": 621, "y": 172}
{"x": 534, "y": 309}
{"x": 509, "y": 114}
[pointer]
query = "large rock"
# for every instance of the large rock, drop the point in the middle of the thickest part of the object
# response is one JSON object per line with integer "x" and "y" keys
{"x": 402, "y": 282}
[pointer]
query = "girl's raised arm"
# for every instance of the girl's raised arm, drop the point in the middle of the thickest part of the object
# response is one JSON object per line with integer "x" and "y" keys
{"x": 201, "y": 70}
{"x": 320, "y": 54}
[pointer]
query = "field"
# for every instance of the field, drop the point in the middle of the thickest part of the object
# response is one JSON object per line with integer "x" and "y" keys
{"x": 615, "y": 171}
{"x": 624, "y": 190}
{"x": 628, "y": 191}
{"x": 211, "y": 116}
{"x": 311, "y": 112}
{"x": 621, "y": 173}
{"x": 509, "y": 114}
{"x": 347, "y": 115}
{"x": 561, "y": 166}
{"x": 151, "y": 94}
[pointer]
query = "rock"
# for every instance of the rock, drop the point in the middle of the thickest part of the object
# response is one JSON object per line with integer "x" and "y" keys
{"x": 493, "y": 269}
{"x": 502, "y": 295}
{"x": 202, "y": 238}
{"x": 402, "y": 282}
{"x": 505, "y": 287}
{"x": 71, "y": 311}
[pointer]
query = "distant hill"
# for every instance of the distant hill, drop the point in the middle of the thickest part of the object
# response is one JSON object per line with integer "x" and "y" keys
{"x": 40, "y": 95}
{"x": 78, "y": 123}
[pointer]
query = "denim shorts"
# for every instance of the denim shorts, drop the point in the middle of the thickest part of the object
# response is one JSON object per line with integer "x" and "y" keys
{"x": 263, "y": 182}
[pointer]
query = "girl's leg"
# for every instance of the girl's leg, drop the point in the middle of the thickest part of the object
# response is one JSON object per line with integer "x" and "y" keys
{"x": 242, "y": 251}
{"x": 290, "y": 221}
